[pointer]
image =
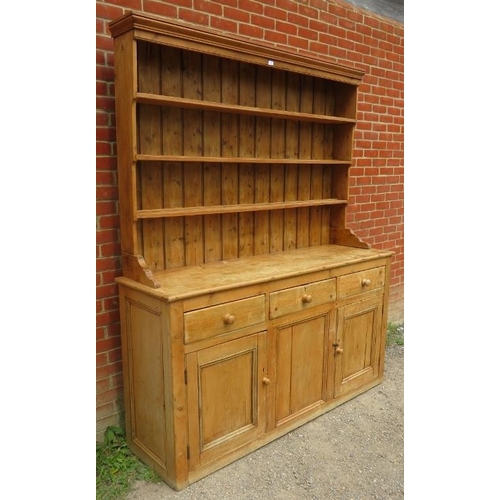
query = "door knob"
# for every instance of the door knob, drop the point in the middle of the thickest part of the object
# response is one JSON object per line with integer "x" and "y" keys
{"x": 266, "y": 381}
{"x": 228, "y": 319}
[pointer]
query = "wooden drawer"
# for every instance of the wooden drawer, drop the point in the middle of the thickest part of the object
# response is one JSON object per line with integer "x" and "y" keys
{"x": 223, "y": 318}
{"x": 299, "y": 298}
{"x": 361, "y": 282}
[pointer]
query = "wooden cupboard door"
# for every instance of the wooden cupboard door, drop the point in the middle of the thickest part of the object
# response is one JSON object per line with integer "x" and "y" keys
{"x": 226, "y": 390}
{"x": 356, "y": 348}
{"x": 299, "y": 368}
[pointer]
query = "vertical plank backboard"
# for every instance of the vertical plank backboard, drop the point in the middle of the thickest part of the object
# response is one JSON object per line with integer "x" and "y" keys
{"x": 317, "y": 151}
{"x": 171, "y": 85}
{"x": 150, "y": 142}
{"x": 246, "y": 149}
{"x": 229, "y": 148}
{"x": 262, "y": 150}
{"x": 305, "y": 151}
{"x": 277, "y": 177}
{"x": 291, "y": 151}
{"x": 212, "y": 147}
{"x": 193, "y": 146}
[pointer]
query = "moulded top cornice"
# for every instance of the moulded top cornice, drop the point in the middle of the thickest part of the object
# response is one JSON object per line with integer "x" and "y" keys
{"x": 161, "y": 31}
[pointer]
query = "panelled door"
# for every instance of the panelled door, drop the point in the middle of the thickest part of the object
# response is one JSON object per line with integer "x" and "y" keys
{"x": 357, "y": 345}
{"x": 300, "y": 350}
{"x": 226, "y": 387}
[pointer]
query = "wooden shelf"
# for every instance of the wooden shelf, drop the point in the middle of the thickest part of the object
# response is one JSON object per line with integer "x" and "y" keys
{"x": 222, "y": 156}
{"x": 239, "y": 159}
{"x": 144, "y": 98}
{"x": 227, "y": 209}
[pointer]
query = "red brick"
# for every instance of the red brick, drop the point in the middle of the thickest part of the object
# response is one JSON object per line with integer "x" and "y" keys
{"x": 102, "y": 386}
{"x": 113, "y": 330}
{"x": 213, "y": 8}
{"x": 274, "y": 37}
{"x": 307, "y": 33}
{"x": 262, "y": 21}
{"x": 107, "y": 396}
{"x": 289, "y": 28}
{"x": 327, "y": 39}
{"x": 305, "y": 10}
{"x": 318, "y": 26}
{"x": 319, "y": 4}
{"x": 106, "y": 163}
{"x": 109, "y": 276}
{"x": 117, "y": 380}
{"x": 107, "y": 192}
{"x": 392, "y": 56}
{"x": 100, "y": 333}
{"x": 373, "y": 22}
{"x": 297, "y": 42}
{"x": 251, "y": 31}
{"x": 104, "y": 42}
{"x": 337, "y": 52}
{"x": 230, "y": 3}
{"x": 318, "y": 48}
{"x": 346, "y": 23}
{"x": 327, "y": 18}
{"x": 223, "y": 24}
{"x": 106, "y": 207}
{"x": 236, "y": 14}
{"x": 106, "y": 318}
{"x": 298, "y": 20}
{"x": 107, "y": 344}
{"x": 194, "y": 17}
{"x": 110, "y": 250}
{"x": 104, "y": 410}
{"x": 288, "y": 5}
{"x": 105, "y": 264}
{"x": 355, "y": 16}
{"x": 356, "y": 37}
{"x": 347, "y": 44}
{"x": 115, "y": 355}
{"x": 395, "y": 40}
{"x": 163, "y": 9}
{"x": 337, "y": 32}
{"x": 337, "y": 10}
{"x": 108, "y": 12}
{"x": 108, "y": 290}
{"x": 251, "y": 6}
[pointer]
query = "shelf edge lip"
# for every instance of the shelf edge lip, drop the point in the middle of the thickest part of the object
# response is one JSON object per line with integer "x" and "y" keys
{"x": 220, "y": 107}
{"x": 133, "y": 20}
{"x": 161, "y": 213}
{"x": 239, "y": 159}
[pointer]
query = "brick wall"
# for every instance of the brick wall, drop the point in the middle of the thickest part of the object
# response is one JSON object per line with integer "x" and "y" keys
{"x": 328, "y": 29}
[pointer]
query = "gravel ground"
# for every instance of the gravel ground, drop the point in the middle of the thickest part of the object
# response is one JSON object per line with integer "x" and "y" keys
{"x": 354, "y": 452}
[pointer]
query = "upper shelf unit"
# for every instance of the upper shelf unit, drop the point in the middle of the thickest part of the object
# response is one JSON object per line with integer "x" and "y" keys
{"x": 226, "y": 148}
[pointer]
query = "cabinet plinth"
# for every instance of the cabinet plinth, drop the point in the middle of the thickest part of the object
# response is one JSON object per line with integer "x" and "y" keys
{"x": 247, "y": 306}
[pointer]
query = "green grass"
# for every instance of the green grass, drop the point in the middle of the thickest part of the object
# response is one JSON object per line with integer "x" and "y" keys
{"x": 117, "y": 468}
{"x": 395, "y": 334}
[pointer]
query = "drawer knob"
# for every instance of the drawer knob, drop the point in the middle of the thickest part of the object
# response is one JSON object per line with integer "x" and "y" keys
{"x": 266, "y": 381}
{"x": 366, "y": 282}
{"x": 338, "y": 350}
{"x": 307, "y": 299}
{"x": 228, "y": 319}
